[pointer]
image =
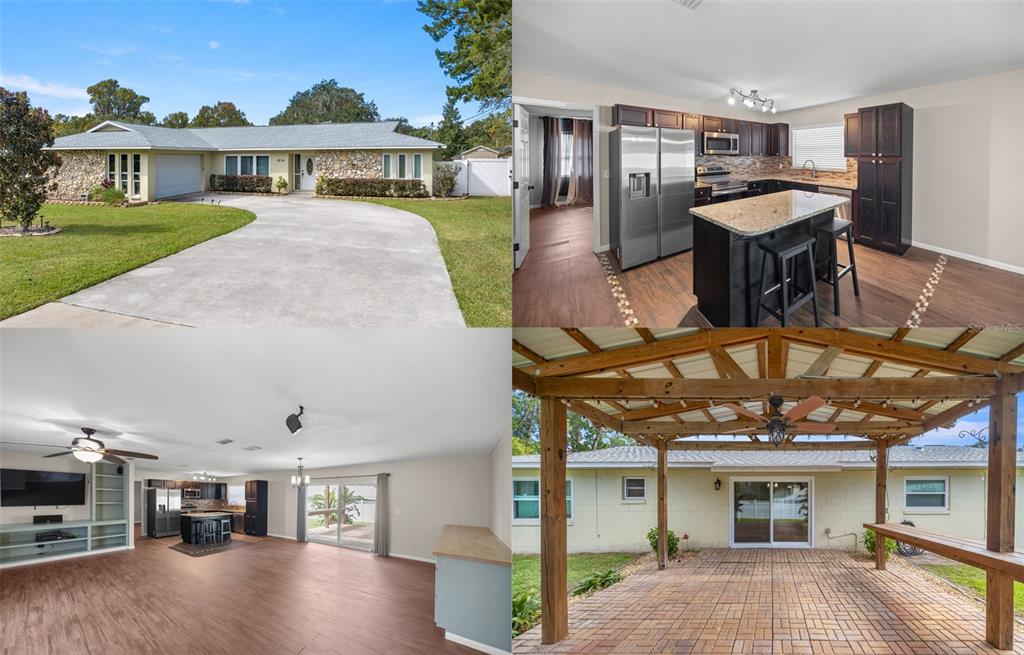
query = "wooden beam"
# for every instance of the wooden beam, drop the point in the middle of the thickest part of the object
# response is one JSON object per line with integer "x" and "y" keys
{"x": 595, "y": 415}
{"x": 880, "y": 409}
{"x": 1002, "y": 466}
{"x": 662, "y": 504}
{"x": 553, "y": 582}
{"x": 577, "y": 335}
{"x": 746, "y": 427}
{"x": 952, "y": 414}
{"x": 726, "y": 364}
{"x": 729, "y": 390}
{"x": 776, "y": 356}
{"x": 523, "y": 381}
{"x": 899, "y": 352}
{"x": 961, "y": 341}
{"x": 696, "y": 444}
{"x": 656, "y": 351}
{"x": 1013, "y": 353}
{"x": 881, "y": 475}
{"x": 999, "y": 609}
{"x": 527, "y": 353}
{"x": 663, "y": 409}
{"x": 821, "y": 365}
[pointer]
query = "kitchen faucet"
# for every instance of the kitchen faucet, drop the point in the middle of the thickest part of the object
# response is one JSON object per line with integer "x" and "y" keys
{"x": 814, "y": 171}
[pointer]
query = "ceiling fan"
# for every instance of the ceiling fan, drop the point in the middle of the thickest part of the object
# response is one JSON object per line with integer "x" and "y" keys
{"x": 778, "y": 424}
{"x": 89, "y": 449}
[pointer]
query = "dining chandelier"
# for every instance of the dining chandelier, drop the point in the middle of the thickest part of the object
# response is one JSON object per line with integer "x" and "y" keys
{"x": 751, "y": 100}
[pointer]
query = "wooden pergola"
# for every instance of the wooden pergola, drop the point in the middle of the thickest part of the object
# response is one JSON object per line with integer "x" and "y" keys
{"x": 666, "y": 388}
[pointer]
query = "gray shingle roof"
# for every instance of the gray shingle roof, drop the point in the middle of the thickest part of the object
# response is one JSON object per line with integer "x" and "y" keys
{"x": 899, "y": 456}
{"x": 324, "y": 136}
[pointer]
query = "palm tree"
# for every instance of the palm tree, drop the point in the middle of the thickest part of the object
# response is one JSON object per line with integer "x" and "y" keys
{"x": 350, "y": 498}
{"x": 324, "y": 501}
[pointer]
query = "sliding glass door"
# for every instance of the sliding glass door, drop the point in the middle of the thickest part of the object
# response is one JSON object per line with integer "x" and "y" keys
{"x": 342, "y": 512}
{"x": 769, "y": 513}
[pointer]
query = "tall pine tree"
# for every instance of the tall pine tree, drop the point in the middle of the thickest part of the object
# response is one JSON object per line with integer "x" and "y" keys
{"x": 450, "y": 131}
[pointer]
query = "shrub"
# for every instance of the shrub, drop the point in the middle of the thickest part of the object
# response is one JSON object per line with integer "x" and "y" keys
{"x": 869, "y": 544}
{"x": 109, "y": 195}
{"x": 525, "y": 611}
{"x": 243, "y": 183}
{"x": 598, "y": 581}
{"x": 673, "y": 541}
{"x": 282, "y": 184}
{"x": 107, "y": 183}
{"x": 444, "y": 179}
{"x": 371, "y": 187}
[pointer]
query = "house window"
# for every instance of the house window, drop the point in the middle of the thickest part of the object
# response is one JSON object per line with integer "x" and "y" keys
{"x": 236, "y": 494}
{"x": 231, "y": 165}
{"x": 387, "y": 166}
{"x": 262, "y": 164}
{"x": 136, "y": 175}
{"x": 246, "y": 161}
{"x": 417, "y": 166}
{"x": 112, "y": 168}
{"x": 926, "y": 494}
{"x": 401, "y": 166}
{"x": 124, "y": 173}
{"x": 823, "y": 145}
{"x": 634, "y": 489}
{"x": 526, "y": 499}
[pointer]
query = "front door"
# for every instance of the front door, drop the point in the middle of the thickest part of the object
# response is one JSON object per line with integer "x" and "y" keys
{"x": 771, "y": 513}
{"x": 308, "y": 172}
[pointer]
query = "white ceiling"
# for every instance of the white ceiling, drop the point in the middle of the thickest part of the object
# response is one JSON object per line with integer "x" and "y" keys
{"x": 370, "y": 395}
{"x": 799, "y": 53}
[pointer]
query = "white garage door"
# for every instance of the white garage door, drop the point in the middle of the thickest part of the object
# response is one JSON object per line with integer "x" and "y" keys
{"x": 177, "y": 175}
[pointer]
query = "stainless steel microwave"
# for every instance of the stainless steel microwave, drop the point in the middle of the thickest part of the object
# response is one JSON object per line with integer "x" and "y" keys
{"x": 721, "y": 143}
{"x": 193, "y": 493}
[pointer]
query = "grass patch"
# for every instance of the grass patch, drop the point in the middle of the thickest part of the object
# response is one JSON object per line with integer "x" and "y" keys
{"x": 974, "y": 579}
{"x": 526, "y": 568}
{"x": 98, "y": 243}
{"x": 475, "y": 236}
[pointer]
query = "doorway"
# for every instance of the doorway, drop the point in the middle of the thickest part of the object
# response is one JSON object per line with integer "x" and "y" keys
{"x": 307, "y": 171}
{"x": 341, "y": 512}
{"x": 771, "y": 513}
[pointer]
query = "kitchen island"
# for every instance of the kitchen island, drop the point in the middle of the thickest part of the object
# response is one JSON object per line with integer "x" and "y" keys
{"x": 726, "y": 256}
{"x": 193, "y": 522}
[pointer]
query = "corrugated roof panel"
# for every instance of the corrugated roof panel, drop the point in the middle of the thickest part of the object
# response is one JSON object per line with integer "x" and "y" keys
{"x": 610, "y": 338}
{"x": 993, "y": 343}
{"x": 549, "y": 343}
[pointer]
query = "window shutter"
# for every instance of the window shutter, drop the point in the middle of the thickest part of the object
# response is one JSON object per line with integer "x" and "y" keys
{"x": 823, "y": 145}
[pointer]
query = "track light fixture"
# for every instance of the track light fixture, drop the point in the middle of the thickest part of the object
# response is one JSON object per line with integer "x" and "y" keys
{"x": 293, "y": 422}
{"x": 751, "y": 100}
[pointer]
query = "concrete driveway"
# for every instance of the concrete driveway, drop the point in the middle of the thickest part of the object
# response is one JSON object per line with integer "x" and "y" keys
{"x": 304, "y": 262}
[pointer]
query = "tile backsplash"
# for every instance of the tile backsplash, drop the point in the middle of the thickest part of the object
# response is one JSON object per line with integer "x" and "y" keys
{"x": 206, "y": 503}
{"x": 761, "y": 166}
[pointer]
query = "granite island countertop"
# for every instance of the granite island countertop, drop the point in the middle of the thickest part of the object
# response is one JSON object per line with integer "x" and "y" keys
{"x": 472, "y": 543}
{"x": 803, "y": 179}
{"x": 758, "y": 215}
{"x": 207, "y": 514}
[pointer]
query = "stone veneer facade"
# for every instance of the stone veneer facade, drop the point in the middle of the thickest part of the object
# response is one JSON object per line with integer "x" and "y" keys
{"x": 349, "y": 163}
{"x": 765, "y": 166}
{"x": 80, "y": 171}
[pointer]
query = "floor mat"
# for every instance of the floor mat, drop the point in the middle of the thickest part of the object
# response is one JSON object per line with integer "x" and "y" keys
{"x": 237, "y": 541}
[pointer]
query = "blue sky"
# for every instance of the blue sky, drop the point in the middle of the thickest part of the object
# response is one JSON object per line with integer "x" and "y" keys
{"x": 255, "y": 53}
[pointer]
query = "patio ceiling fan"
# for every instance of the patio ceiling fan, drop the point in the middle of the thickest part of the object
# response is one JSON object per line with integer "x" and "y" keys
{"x": 779, "y": 424}
{"x": 89, "y": 449}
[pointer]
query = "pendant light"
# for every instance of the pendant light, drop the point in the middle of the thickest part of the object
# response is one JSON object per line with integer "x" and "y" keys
{"x": 300, "y": 480}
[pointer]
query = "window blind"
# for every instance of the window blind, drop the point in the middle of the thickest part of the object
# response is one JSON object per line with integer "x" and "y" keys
{"x": 823, "y": 145}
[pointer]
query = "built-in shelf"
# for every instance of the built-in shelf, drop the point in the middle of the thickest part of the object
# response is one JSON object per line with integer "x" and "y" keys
{"x": 107, "y": 475}
{"x": 26, "y": 544}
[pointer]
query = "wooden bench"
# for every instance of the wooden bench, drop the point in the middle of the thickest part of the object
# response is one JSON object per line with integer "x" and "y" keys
{"x": 962, "y": 550}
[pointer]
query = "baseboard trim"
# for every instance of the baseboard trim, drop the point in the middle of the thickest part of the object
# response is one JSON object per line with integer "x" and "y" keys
{"x": 428, "y": 560}
{"x": 476, "y": 645}
{"x": 604, "y": 247}
{"x": 280, "y": 536}
{"x": 971, "y": 258}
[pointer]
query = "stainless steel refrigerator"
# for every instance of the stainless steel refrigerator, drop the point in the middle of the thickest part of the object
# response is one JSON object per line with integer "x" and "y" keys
{"x": 652, "y": 181}
{"x": 163, "y": 512}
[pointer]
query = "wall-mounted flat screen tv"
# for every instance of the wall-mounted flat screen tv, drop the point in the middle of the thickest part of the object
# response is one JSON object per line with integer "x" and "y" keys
{"x": 20, "y": 488}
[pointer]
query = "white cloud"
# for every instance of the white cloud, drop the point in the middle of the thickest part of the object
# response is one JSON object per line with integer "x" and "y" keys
{"x": 423, "y": 121}
{"x": 50, "y": 89}
{"x": 110, "y": 52}
{"x": 214, "y": 45}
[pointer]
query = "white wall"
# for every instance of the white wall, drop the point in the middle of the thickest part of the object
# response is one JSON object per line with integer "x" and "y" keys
{"x": 501, "y": 489}
{"x": 426, "y": 494}
{"x": 34, "y": 462}
{"x": 968, "y": 163}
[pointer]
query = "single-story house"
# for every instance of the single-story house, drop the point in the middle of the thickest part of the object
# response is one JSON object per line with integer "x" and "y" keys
{"x": 149, "y": 162}
{"x": 738, "y": 499}
{"x": 483, "y": 152}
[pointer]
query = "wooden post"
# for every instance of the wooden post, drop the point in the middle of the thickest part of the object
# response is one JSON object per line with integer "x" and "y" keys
{"x": 881, "y": 475}
{"x": 554, "y": 597}
{"x": 662, "y": 504}
{"x": 1002, "y": 472}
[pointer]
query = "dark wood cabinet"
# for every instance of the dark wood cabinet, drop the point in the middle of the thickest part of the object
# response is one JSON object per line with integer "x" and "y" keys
{"x": 888, "y": 132}
{"x": 702, "y": 196}
{"x": 729, "y": 125}
{"x": 256, "y": 498}
{"x": 884, "y": 216}
{"x": 712, "y": 124}
{"x": 663, "y": 118}
{"x": 756, "y": 139}
{"x": 743, "y": 129}
{"x": 629, "y": 115}
{"x": 772, "y": 142}
{"x": 692, "y": 122}
{"x": 868, "y": 121}
{"x": 782, "y": 139}
{"x": 851, "y": 135}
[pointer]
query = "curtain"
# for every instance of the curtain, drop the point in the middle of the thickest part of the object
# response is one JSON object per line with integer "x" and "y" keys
{"x": 571, "y": 187}
{"x": 300, "y": 514}
{"x": 552, "y": 158}
{"x": 583, "y": 161}
{"x": 382, "y": 518}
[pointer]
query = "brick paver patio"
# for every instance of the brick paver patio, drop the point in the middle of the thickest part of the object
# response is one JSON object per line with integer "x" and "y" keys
{"x": 774, "y": 601}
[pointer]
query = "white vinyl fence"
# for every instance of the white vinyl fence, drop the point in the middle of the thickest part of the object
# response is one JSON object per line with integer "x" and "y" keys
{"x": 483, "y": 177}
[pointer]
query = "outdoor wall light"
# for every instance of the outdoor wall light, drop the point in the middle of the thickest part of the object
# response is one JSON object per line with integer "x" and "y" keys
{"x": 718, "y": 484}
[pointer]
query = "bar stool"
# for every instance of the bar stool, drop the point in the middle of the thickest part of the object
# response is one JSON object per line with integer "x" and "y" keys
{"x": 785, "y": 253}
{"x": 831, "y": 231}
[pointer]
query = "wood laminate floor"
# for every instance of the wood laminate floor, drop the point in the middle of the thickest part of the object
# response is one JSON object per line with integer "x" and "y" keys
{"x": 274, "y": 597}
{"x": 562, "y": 283}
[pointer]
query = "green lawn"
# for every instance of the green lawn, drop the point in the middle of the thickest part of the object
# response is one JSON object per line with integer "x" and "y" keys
{"x": 98, "y": 243}
{"x": 475, "y": 236}
{"x": 526, "y": 568}
{"x": 972, "y": 578}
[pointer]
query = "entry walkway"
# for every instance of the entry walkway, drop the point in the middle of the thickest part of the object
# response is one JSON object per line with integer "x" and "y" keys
{"x": 773, "y": 601}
